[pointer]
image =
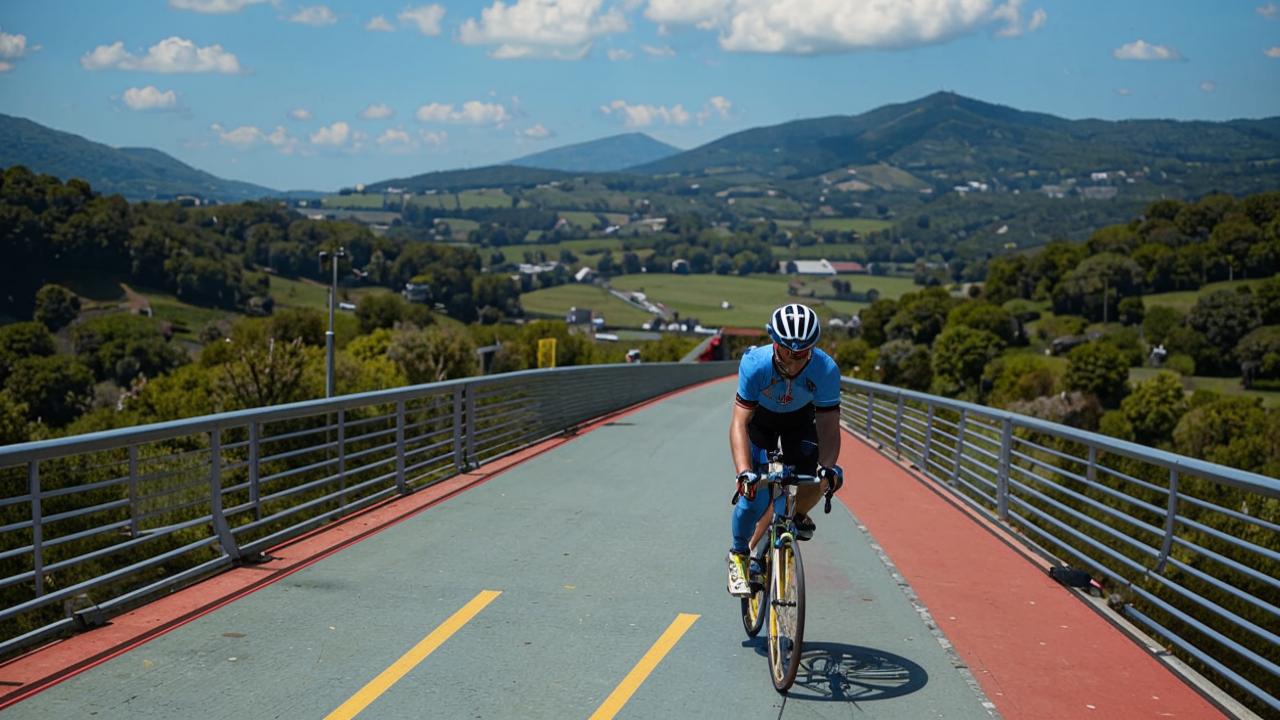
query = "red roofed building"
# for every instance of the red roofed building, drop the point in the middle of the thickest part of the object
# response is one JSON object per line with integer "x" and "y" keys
{"x": 848, "y": 268}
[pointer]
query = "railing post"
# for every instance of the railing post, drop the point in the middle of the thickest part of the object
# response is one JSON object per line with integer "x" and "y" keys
{"x": 342, "y": 458}
{"x": 955, "y": 472}
{"x": 220, "y": 525}
{"x": 1091, "y": 471}
{"x": 471, "y": 426}
{"x": 133, "y": 491}
{"x": 1170, "y": 519}
{"x": 1002, "y": 479}
{"x": 255, "y": 498}
{"x": 897, "y": 429}
{"x": 928, "y": 440}
{"x": 401, "y": 485}
{"x": 37, "y": 525}
{"x": 459, "y": 461}
{"x": 871, "y": 411}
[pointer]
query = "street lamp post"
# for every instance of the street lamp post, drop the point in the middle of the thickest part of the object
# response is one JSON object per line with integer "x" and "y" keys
{"x": 334, "y": 258}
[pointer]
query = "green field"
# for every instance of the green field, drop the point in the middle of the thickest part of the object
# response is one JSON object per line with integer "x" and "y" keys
{"x": 860, "y": 225}
{"x": 555, "y": 302}
{"x": 466, "y": 200}
{"x": 580, "y": 218}
{"x": 1184, "y": 300}
{"x": 459, "y": 227}
{"x": 1221, "y": 385}
{"x": 366, "y": 201}
{"x": 751, "y": 298}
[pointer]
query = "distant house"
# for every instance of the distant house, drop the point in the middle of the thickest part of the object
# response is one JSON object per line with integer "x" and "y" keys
{"x": 848, "y": 268}
{"x": 535, "y": 268}
{"x": 680, "y": 266}
{"x": 578, "y": 316}
{"x": 807, "y": 267}
{"x": 585, "y": 275}
{"x": 416, "y": 292}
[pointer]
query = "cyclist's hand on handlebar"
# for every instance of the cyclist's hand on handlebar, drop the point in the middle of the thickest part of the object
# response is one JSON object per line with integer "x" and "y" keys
{"x": 834, "y": 477}
{"x": 747, "y": 482}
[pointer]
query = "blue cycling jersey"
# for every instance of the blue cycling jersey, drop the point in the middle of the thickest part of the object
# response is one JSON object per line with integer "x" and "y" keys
{"x": 760, "y": 383}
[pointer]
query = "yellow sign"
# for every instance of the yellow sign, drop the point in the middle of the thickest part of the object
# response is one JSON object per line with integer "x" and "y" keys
{"x": 547, "y": 353}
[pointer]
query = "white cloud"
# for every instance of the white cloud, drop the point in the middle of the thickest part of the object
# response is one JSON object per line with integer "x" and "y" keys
{"x": 1142, "y": 50}
{"x": 377, "y": 112}
{"x": 426, "y": 18}
{"x": 379, "y": 24}
{"x": 213, "y": 7}
{"x": 392, "y": 136}
{"x": 335, "y": 134}
{"x": 12, "y": 46}
{"x": 616, "y": 54}
{"x": 435, "y": 139}
{"x": 5, "y": 67}
{"x": 300, "y": 114}
{"x": 1269, "y": 11}
{"x": 171, "y": 55}
{"x": 1272, "y": 52}
{"x": 150, "y": 98}
{"x": 316, "y": 16}
{"x": 638, "y": 116}
{"x": 247, "y": 136}
{"x": 1011, "y": 15}
{"x": 664, "y": 51}
{"x": 716, "y": 106}
{"x": 472, "y": 112}
{"x": 806, "y": 27}
{"x": 554, "y": 29}
{"x": 537, "y": 132}
{"x": 1208, "y": 86}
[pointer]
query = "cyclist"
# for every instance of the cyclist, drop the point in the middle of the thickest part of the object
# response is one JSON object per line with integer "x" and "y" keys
{"x": 789, "y": 390}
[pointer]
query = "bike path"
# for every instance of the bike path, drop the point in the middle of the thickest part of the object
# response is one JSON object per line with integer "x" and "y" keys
{"x": 596, "y": 548}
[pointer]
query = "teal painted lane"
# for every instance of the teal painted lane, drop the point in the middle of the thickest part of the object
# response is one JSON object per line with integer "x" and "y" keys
{"x": 596, "y": 548}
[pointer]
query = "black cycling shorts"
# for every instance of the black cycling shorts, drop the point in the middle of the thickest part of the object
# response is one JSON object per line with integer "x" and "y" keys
{"x": 797, "y": 430}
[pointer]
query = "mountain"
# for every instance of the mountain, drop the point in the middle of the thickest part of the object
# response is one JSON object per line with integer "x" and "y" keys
{"x": 135, "y": 173}
{"x": 604, "y": 155}
{"x": 948, "y": 136}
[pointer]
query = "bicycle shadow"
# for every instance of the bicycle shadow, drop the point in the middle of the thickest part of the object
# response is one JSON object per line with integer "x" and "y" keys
{"x": 835, "y": 672}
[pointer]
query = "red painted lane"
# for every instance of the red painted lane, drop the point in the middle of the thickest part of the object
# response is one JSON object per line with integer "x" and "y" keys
{"x": 59, "y": 660}
{"x": 1038, "y": 651}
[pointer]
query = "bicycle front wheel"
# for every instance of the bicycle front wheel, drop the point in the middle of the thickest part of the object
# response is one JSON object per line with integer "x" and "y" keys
{"x": 755, "y": 606}
{"x": 786, "y": 615}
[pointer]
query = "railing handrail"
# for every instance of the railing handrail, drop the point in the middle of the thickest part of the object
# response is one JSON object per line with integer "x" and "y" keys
{"x": 1254, "y": 482}
{"x": 105, "y": 439}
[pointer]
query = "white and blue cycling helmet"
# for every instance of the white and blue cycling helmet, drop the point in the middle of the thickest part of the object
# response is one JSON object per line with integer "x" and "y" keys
{"x": 795, "y": 327}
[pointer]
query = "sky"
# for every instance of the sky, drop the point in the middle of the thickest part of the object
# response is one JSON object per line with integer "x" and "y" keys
{"x": 323, "y": 94}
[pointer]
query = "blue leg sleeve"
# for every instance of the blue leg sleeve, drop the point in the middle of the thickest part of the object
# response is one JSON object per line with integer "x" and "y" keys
{"x": 748, "y": 512}
{"x": 745, "y": 516}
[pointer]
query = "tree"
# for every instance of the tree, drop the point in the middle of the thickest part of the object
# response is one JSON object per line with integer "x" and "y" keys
{"x": 874, "y": 318}
{"x": 1131, "y": 311}
{"x": 1154, "y": 408}
{"x": 120, "y": 346}
{"x": 382, "y": 310}
{"x": 1020, "y": 378}
{"x": 959, "y": 356}
{"x": 261, "y": 371}
{"x": 1098, "y": 369}
{"x": 56, "y": 307}
{"x": 23, "y": 340}
{"x": 1158, "y": 322}
{"x": 56, "y": 388}
{"x": 920, "y": 316}
{"x": 1223, "y": 317}
{"x": 433, "y": 354}
{"x": 1096, "y": 285}
{"x": 1233, "y": 431}
{"x": 13, "y": 420}
{"x": 1260, "y": 352}
{"x": 981, "y": 315}
{"x": 905, "y": 364}
{"x": 305, "y": 324}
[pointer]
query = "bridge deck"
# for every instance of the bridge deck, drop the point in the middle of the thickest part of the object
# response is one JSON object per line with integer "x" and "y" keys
{"x": 597, "y": 545}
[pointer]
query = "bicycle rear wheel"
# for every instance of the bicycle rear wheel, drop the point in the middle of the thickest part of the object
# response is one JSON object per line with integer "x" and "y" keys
{"x": 756, "y": 605}
{"x": 786, "y": 615}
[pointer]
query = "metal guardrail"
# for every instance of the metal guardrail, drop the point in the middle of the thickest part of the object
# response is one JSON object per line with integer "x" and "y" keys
{"x": 93, "y": 524}
{"x": 1139, "y": 517}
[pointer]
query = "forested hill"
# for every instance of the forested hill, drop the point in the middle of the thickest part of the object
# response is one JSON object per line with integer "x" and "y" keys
{"x": 135, "y": 173}
{"x": 603, "y": 155}
{"x": 948, "y": 135}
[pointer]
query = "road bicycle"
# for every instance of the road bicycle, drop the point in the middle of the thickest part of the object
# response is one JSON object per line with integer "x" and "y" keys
{"x": 777, "y": 598}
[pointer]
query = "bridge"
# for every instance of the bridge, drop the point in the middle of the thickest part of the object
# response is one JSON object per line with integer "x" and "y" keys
{"x": 551, "y": 544}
